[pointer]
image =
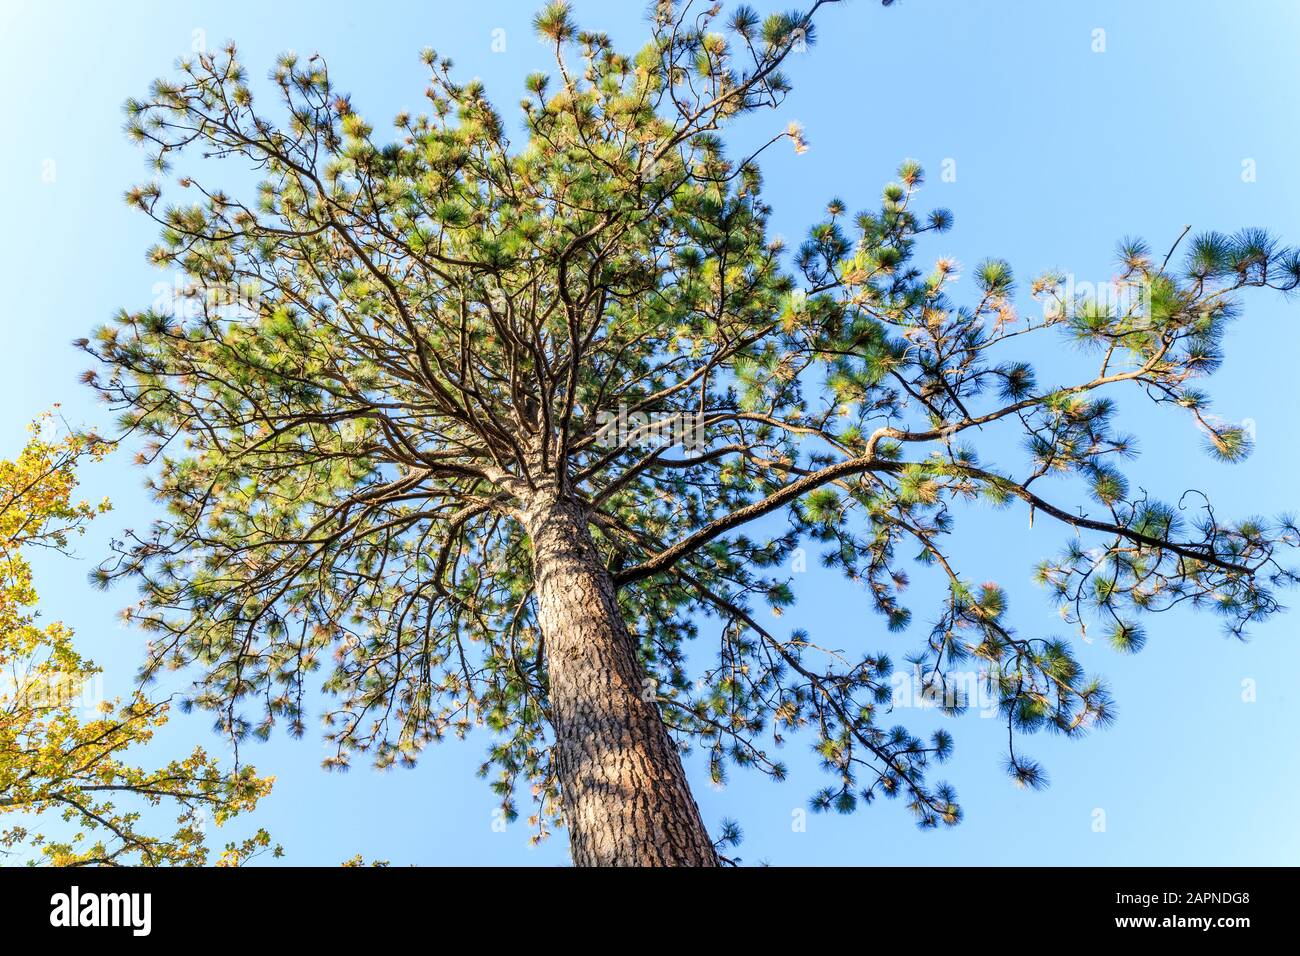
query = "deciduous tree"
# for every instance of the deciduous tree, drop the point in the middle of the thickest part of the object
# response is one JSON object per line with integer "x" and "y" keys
{"x": 54, "y": 760}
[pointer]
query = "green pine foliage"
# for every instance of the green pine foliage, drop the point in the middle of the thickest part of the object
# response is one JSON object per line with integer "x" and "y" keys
{"x": 448, "y": 315}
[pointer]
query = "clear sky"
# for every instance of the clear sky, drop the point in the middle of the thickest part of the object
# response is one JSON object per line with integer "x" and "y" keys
{"x": 1186, "y": 115}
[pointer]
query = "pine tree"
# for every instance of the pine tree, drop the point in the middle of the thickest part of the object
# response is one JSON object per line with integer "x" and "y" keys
{"x": 482, "y": 430}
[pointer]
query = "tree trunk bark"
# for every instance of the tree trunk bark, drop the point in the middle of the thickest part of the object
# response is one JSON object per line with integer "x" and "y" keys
{"x": 626, "y": 800}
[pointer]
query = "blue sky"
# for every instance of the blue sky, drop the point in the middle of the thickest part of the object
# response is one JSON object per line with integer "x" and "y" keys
{"x": 1058, "y": 150}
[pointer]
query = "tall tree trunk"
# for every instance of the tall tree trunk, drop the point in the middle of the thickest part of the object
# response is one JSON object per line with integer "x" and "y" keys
{"x": 626, "y": 800}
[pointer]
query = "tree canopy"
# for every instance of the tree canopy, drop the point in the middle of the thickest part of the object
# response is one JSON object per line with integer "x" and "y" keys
{"x": 52, "y": 759}
{"x": 399, "y": 341}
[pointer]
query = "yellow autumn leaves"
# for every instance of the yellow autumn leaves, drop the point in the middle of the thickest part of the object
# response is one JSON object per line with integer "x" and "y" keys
{"x": 61, "y": 754}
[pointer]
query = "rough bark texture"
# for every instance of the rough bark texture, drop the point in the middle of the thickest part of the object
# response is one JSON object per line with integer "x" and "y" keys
{"x": 626, "y": 800}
